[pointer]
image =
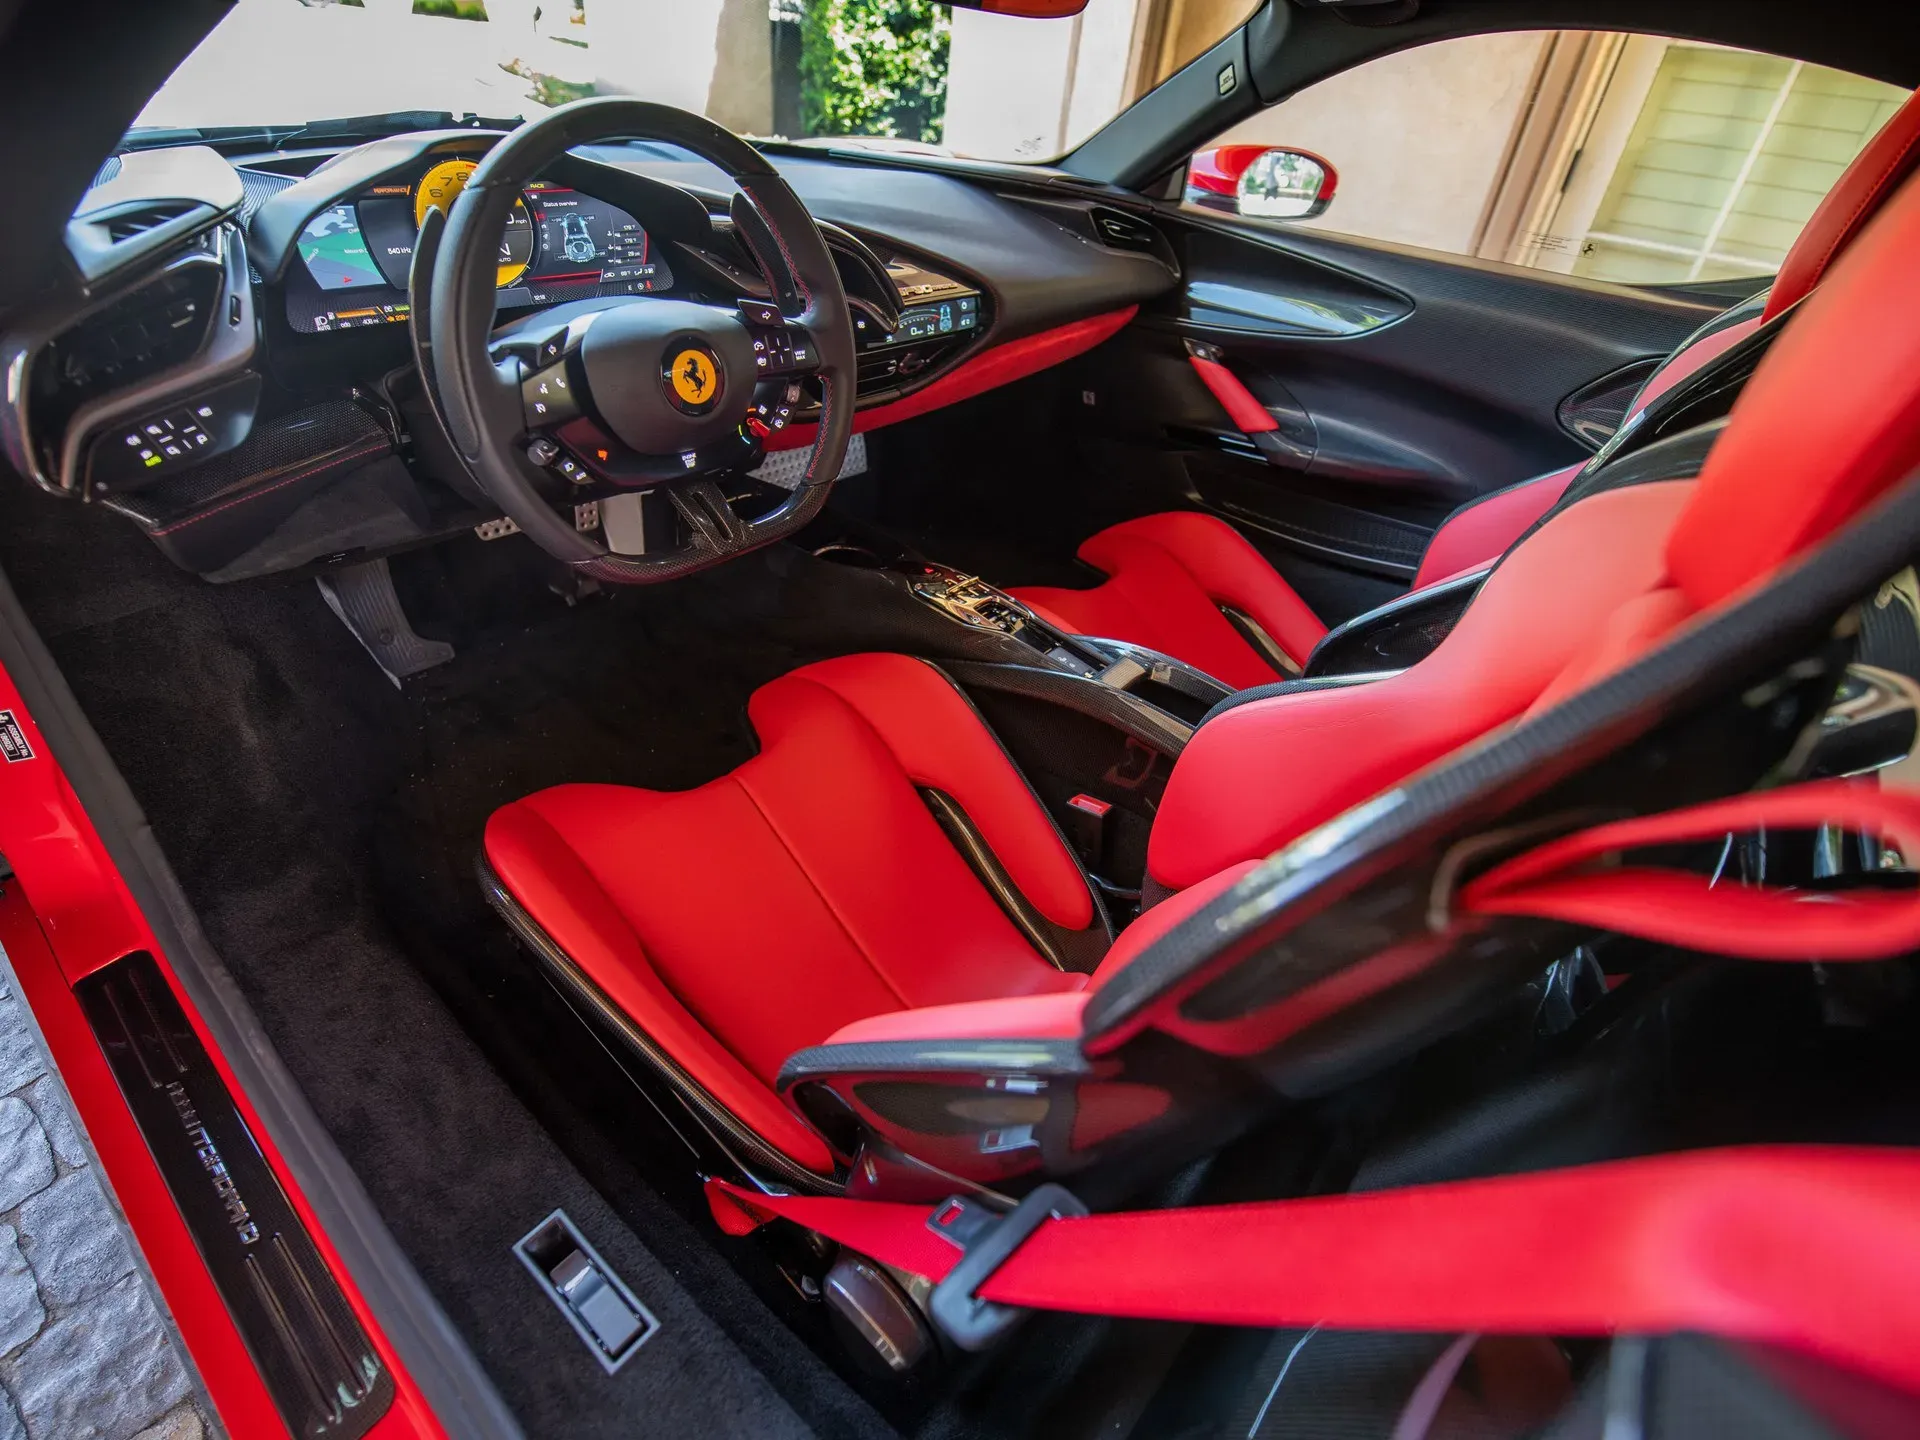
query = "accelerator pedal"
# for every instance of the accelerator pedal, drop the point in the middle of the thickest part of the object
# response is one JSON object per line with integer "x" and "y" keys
{"x": 364, "y": 598}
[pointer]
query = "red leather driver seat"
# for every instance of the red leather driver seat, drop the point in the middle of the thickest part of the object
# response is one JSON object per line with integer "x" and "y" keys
{"x": 1189, "y": 585}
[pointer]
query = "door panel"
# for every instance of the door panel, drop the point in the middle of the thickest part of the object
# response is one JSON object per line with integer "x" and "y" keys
{"x": 1406, "y": 382}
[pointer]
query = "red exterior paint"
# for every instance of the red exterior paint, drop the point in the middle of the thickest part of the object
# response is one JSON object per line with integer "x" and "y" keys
{"x": 991, "y": 368}
{"x": 67, "y": 914}
{"x": 1218, "y": 171}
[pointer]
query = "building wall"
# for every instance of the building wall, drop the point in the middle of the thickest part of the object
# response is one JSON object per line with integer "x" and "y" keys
{"x": 1419, "y": 139}
{"x": 714, "y": 59}
{"x": 1020, "y": 89}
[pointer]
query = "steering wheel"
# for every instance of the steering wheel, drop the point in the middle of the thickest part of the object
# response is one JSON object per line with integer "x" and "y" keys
{"x": 639, "y": 391}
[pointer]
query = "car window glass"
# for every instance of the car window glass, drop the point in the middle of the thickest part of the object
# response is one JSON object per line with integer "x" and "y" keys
{"x": 1621, "y": 157}
{"x": 889, "y": 74}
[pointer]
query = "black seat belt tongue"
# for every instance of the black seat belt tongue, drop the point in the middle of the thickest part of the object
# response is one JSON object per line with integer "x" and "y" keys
{"x": 1086, "y": 827}
{"x": 985, "y": 1240}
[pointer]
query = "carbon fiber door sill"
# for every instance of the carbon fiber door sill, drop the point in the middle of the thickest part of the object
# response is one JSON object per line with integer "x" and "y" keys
{"x": 318, "y": 1365}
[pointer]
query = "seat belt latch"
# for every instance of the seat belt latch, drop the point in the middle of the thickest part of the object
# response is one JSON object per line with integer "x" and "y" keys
{"x": 1086, "y": 827}
{"x": 985, "y": 1240}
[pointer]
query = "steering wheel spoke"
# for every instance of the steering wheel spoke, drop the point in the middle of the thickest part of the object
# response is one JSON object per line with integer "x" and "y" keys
{"x": 710, "y": 520}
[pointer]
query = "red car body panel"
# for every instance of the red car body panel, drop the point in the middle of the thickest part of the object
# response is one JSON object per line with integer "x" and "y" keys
{"x": 66, "y": 914}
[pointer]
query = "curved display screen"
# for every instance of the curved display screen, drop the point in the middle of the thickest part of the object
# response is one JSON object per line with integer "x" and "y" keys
{"x": 559, "y": 245}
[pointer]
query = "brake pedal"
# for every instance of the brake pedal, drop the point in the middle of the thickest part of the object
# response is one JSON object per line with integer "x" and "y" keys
{"x": 367, "y": 604}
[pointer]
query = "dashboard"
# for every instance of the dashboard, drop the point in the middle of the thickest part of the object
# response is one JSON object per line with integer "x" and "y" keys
{"x": 560, "y": 244}
{"x": 229, "y": 363}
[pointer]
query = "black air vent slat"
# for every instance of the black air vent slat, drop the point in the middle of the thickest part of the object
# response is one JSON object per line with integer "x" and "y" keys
{"x": 125, "y": 226}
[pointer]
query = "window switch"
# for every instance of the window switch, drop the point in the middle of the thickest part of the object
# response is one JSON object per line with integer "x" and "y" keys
{"x": 596, "y": 1303}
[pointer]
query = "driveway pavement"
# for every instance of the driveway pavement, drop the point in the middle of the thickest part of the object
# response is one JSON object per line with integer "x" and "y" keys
{"x": 86, "y": 1350}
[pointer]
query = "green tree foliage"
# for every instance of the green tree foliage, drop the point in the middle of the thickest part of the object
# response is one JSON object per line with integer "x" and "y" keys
{"x": 874, "y": 67}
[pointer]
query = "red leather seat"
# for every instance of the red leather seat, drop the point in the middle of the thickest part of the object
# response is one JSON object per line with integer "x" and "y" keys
{"x": 810, "y": 888}
{"x": 1170, "y": 577}
{"x": 809, "y": 901}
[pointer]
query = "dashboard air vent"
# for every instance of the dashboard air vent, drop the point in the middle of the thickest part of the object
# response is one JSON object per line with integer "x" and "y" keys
{"x": 130, "y": 223}
{"x": 1122, "y": 231}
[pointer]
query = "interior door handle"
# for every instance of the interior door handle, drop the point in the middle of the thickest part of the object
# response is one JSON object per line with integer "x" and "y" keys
{"x": 1284, "y": 437}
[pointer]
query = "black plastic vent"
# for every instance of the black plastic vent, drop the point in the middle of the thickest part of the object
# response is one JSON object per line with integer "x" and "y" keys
{"x": 1121, "y": 231}
{"x": 137, "y": 336}
{"x": 125, "y": 226}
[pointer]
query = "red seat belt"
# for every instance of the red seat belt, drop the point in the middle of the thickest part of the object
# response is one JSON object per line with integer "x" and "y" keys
{"x": 1563, "y": 880}
{"x": 1817, "y": 1248}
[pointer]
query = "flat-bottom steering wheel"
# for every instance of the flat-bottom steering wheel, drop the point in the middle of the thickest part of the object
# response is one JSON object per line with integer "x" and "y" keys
{"x": 671, "y": 383}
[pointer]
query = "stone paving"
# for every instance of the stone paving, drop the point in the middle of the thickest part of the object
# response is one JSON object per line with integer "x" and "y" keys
{"x": 86, "y": 1353}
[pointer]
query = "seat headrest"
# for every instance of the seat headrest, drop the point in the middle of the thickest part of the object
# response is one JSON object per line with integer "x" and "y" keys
{"x": 1829, "y": 422}
{"x": 1876, "y": 173}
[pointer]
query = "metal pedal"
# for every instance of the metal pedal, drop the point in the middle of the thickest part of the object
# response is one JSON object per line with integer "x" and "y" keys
{"x": 363, "y": 597}
{"x": 497, "y": 529}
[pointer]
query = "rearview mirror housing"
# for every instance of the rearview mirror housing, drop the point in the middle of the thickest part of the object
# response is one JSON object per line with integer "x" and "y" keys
{"x": 1031, "y": 9}
{"x": 1270, "y": 183}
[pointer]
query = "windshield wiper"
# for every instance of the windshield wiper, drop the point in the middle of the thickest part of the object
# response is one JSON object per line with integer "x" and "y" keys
{"x": 274, "y": 137}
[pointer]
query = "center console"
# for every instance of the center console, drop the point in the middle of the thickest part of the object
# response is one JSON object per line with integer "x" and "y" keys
{"x": 1154, "y": 698}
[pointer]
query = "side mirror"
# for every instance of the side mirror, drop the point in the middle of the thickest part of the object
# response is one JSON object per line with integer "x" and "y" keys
{"x": 1254, "y": 180}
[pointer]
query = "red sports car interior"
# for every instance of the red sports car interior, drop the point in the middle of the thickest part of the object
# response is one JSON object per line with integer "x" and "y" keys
{"x": 824, "y": 831}
{"x": 706, "y": 772}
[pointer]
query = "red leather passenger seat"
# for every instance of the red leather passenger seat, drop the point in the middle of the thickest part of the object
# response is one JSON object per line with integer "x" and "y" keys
{"x": 1169, "y": 576}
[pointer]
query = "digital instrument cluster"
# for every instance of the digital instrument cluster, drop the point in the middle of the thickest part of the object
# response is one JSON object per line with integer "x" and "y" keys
{"x": 559, "y": 245}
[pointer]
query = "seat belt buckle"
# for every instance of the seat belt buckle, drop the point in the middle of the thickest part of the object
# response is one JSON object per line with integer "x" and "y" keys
{"x": 1086, "y": 827}
{"x": 985, "y": 1240}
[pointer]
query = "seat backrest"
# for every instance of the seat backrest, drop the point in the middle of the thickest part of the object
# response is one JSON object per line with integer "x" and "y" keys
{"x": 1876, "y": 173}
{"x": 1829, "y": 421}
{"x": 1155, "y": 1061}
{"x": 1478, "y": 531}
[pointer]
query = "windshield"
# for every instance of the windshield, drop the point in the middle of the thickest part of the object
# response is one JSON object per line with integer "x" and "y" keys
{"x": 893, "y": 72}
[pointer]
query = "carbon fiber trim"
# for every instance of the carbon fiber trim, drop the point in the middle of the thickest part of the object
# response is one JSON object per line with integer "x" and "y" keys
{"x": 753, "y": 1155}
{"x": 1150, "y": 725}
{"x": 934, "y": 1057}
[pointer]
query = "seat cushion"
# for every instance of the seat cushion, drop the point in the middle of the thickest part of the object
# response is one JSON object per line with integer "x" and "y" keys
{"x": 808, "y": 889}
{"x": 1167, "y": 578}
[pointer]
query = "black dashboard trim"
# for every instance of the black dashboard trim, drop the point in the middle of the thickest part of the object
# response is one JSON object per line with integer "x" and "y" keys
{"x": 274, "y": 230}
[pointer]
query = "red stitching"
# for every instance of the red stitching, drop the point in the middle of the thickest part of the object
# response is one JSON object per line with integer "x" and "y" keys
{"x": 302, "y": 474}
{"x": 773, "y": 229}
{"x": 820, "y": 439}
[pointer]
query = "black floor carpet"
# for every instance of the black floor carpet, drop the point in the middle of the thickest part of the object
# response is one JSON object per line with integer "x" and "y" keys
{"x": 323, "y": 824}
